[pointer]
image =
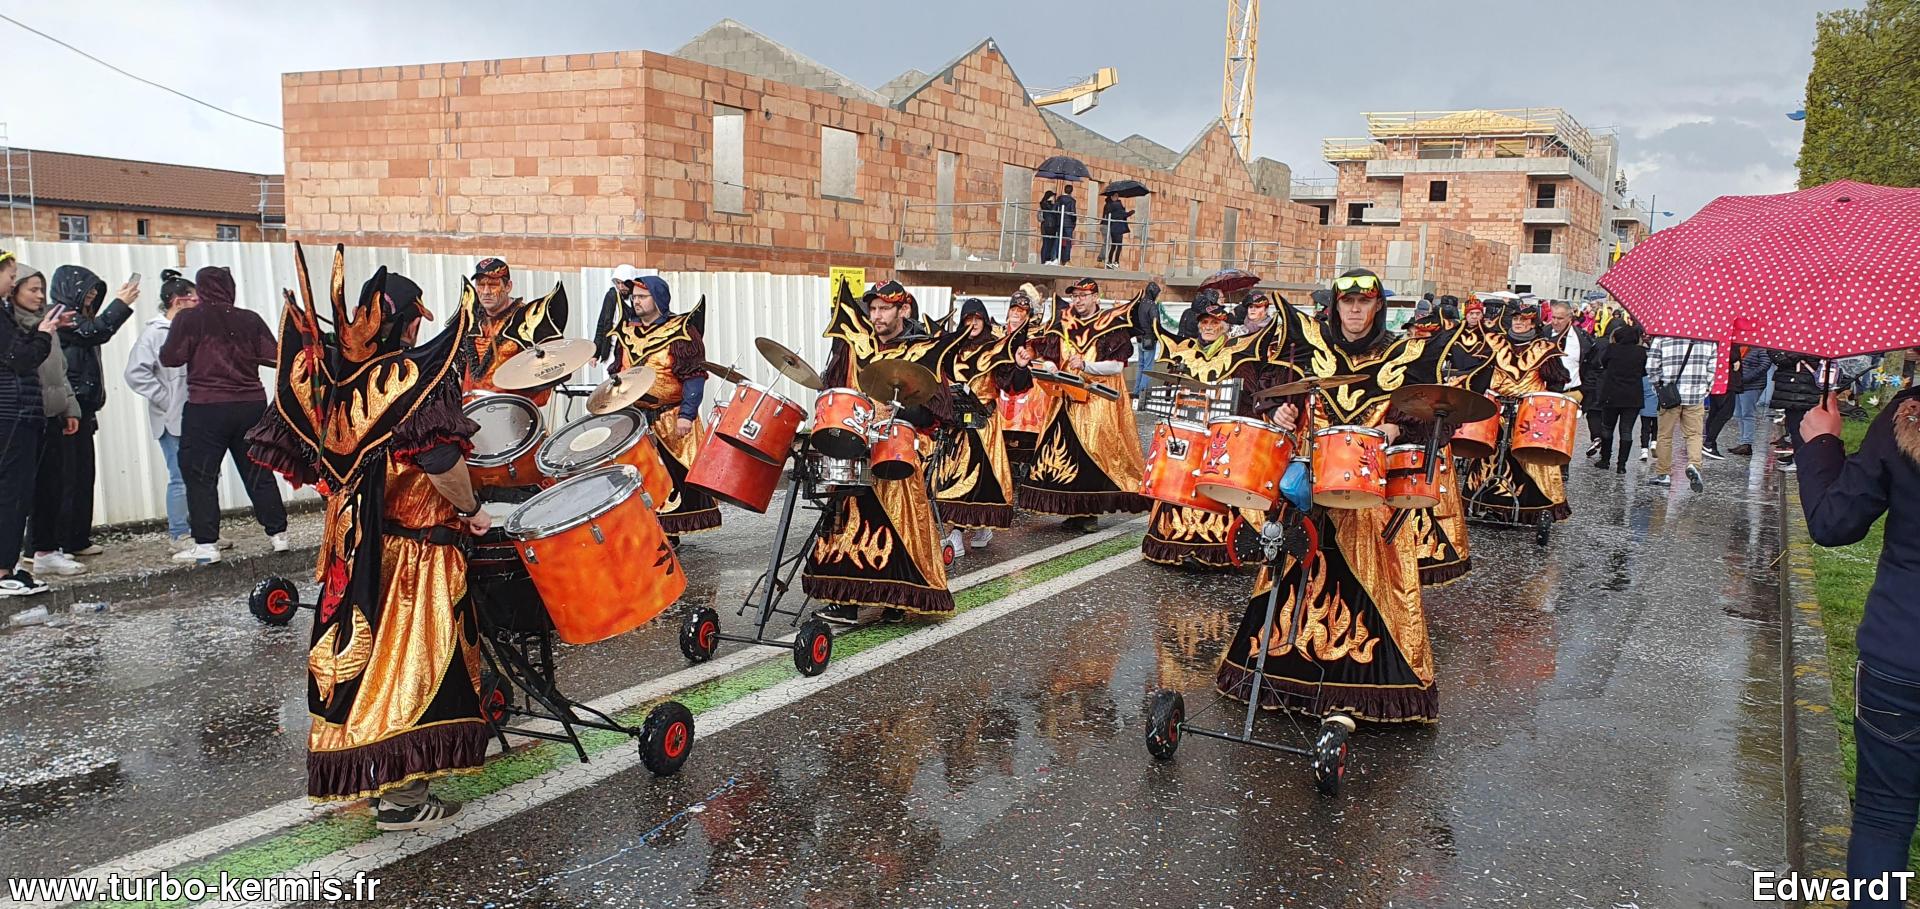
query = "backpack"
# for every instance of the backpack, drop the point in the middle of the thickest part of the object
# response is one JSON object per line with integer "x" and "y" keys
{"x": 1795, "y": 389}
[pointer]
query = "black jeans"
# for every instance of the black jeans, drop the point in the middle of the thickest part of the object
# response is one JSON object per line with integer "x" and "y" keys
{"x": 1649, "y": 428}
{"x": 19, "y": 464}
{"x": 1049, "y": 247}
{"x": 63, "y": 500}
{"x": 1113, "y": 248}
{"x": 208, "y": 433}
{"x": 1793, "y": 429}
{"x": 1616, "y": 422}
{"x": 1886, "y": 790}
{"x": 1717, "y": 417}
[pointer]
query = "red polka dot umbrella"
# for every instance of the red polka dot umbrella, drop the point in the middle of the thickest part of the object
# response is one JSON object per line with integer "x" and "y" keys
{"x": 1831, "y": 271}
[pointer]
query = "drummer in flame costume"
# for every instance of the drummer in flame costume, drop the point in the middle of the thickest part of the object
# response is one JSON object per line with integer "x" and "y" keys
{"x": 1362, "y": 652}
{"x": 1195, "y": 537}
{"x": 648, "y": 333}
{"x": 504, "y": 325}
{"x": 1024, "y": 405}
{"x": 973, "y": 481}
{"x": 1088, "y": 461}
{"x": 1522, "y": 360}
{"x": 883, "y": 549}
{"x": 375, "y": 424}
{"x": 1439, "y": 534}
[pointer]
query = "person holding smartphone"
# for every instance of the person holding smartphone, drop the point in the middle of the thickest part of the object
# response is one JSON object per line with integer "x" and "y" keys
{"x": 26, "y": 344}
{"x": 63, "y": 509}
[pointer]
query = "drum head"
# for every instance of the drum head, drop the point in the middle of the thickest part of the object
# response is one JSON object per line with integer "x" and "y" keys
{"x": 591, "y": 440}
{"x": 1233, "y": 497}
{"x": 509, "y": 425}
{"x": 573, "y": 502}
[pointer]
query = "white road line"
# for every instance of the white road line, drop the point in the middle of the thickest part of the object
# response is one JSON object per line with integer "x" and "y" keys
{"x": 293, "y": 812}
{"x": 521, "y": 797}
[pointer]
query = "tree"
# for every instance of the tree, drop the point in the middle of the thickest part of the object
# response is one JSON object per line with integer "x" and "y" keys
{"x": 1863, "y": 97}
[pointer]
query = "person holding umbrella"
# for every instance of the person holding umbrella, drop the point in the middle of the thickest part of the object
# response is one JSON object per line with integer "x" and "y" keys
{"x": 1049, "y": 228}
{"x": 1115, "y": 214}
{"x": 1069, "y": 221}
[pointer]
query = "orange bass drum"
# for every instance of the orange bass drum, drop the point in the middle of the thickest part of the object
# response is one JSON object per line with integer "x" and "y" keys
{"x": 597, "y": 554}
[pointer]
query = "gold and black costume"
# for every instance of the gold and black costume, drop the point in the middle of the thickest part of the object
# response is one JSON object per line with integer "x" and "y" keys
{"x": 495, "y": 340}
{"x": 1504, "y": 489}
{"x": 1088, "y": 459}
{"x": 393, "y": 667}
{"x": 1363, "y": 648}
{"x": 674, "y": 347}
{"x": 973, "y": 480}
{"x": 883, "y": 548}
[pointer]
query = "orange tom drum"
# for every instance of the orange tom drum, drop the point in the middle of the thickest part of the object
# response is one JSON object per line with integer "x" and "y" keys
{"x": 761, "y": 422}
{"x": 1544, "y": 428}
{"x": 597, "y": 554}
{"x": 506, "y": 449}
{"x": 841, "y": 420}
{"x": 1244, "y": 462}
{"x": 596, "y": 440}
{"x": 1023, "y": 417}
{"x": 1349, "y": 469}
{"x": 895, "y": 452}
{"x": 1407, "y": 484}
{"x": 1474, "y": 441}
{"x": 1173, "y": 465}
{"x": 732, "y": 475}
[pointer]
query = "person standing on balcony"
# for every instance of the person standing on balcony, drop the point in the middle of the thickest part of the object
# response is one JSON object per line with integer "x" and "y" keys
{"x": 1115, "y": 214}
{"x": 1049, "y": 228}
{"x": 1069, "y": 221}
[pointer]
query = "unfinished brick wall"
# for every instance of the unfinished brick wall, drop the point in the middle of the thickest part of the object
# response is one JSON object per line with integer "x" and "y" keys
{"x": 123, "y": 226}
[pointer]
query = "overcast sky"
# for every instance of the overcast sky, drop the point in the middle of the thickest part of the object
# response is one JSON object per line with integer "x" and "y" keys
{"x": 1698, "y": 89}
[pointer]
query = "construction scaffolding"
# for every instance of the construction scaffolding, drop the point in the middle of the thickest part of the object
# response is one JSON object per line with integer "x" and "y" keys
{"x": 1552, "y": 122}
{"x": 18, "y": 186}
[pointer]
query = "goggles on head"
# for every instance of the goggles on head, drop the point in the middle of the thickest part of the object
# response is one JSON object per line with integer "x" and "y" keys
{"x": 1367, "y": 284}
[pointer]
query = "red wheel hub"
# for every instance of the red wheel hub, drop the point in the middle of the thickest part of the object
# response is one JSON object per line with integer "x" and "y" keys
{"x": 277, "y": 602}
{"x": 674, "y": 743}
{"x": 707, "y": 631}
{"x": 821, "y": 646}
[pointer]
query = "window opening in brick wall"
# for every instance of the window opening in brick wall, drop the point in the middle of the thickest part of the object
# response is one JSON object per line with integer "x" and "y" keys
{"x": 1545, "y": 194}
{"x": 140, "y": 227}
{"x": 839, "y": 163}
{"x": 74, "y": 227}
{"x": 1523, "y": 288}
{"x": 1509, "y": 149}
{"x": 1357, "y": 213}
{"x": 1543, "y": 239}
{"x": 1326, "y": 211}
{"x": 1441, "y": 149}
{"x": 1437, "y": 191}
{"x": 729, "y": 159}
{"x": 227, "y": 233}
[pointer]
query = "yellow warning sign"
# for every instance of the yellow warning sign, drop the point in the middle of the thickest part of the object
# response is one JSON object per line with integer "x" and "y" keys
{"x": 854, "y": 278}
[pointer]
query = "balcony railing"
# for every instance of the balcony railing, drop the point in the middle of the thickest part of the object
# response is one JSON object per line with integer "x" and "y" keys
{"x": 1552, "y": 214}
{"x": 1524, "y": 121}
{"x": 1351, "y": 149}
{"x": 1316, "y": 188}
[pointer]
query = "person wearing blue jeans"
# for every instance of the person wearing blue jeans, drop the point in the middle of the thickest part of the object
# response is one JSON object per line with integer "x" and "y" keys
{"x": 165, "y": 389}
{"x": 1141, "y": 381}
{"x": 177, "y": 527}
{"x": 1842, "y": 496}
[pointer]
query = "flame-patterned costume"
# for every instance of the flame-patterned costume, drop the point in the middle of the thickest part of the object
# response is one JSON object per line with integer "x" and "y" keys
{"x": 1505, "y": 489}
{"x": 1195, "y": 537}
{"x": 674, "y": 347}
{"x": 973, "y": 481}
{"x": 1363, "y": 649}
{"x": 883, "y": 548}
{"x": 496, "y": 339}
{"x": 393, "y": 667}
{"x": 1088, "y": 459}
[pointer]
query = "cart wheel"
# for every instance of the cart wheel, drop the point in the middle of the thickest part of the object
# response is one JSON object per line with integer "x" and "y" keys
{"x": 1168, "y": 710}
{"x": 274, "y": 601}
{"x": 1330, "y": 757}
{"x": 666, "y": 737}
{"x": 812, "y": 647}
{"x": 495, "y": 698}
{"x": 700, "y": 634}
{"x": 1542, "y": 528}
{"x": 946, "y": 554}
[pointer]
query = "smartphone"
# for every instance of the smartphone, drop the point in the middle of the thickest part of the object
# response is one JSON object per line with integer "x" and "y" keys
{"x": 134, "y": 279}
{"x": 57, "y": 310}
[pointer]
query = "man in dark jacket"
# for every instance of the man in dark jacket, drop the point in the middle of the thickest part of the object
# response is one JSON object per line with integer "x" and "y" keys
{"x": 1842, "y": 497}
{"x": 223, "y": 348}
{"x": 1069, "y": 221}
{"x": 66, "y": 524}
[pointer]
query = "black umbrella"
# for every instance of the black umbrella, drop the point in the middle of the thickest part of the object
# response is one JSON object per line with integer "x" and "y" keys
{"x": 1229, "y": 280}
{"x": 1126, "y": 189}
{"x": 1061, "y": 167}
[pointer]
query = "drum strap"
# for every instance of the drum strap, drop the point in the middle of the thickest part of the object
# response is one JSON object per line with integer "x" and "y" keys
{"x": 432, "y": 536}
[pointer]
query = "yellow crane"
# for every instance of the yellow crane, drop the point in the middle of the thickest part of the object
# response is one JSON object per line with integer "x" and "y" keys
{"x": 1236, "y": 94}
{"x": 1083, "y": 94}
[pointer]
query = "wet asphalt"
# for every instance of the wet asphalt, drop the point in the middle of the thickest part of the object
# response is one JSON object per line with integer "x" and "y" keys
{"x": 1608, "y": 737}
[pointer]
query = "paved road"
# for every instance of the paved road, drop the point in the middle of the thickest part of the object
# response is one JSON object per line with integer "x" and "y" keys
{"x": 1608, "y": 738}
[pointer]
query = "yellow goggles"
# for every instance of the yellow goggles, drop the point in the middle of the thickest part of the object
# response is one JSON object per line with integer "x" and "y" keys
{"x": 1356, "y": 282}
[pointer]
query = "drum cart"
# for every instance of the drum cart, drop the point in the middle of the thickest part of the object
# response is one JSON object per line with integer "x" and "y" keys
{"x": 1487, "y": 514}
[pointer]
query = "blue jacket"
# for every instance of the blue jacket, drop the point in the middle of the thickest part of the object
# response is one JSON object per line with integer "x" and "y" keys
{"x": 1649, "y": 402}
{"x": 1842, "y": 496}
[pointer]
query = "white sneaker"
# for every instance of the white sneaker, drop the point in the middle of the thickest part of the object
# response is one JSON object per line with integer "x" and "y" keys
{"x": 176, "y": 544}
{"x": 980, "y": 537}
{"x": 279, "y": 541}
{"x": 200, "y": 553}
{"x": 56, "y": 562}
{"x": 958, "y": 540}
{"x": 1646, "y": 454}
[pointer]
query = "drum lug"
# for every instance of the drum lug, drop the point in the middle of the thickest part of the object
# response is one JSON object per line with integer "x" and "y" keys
{"x": 527, "y": 554}
{"x": 647, "y": 498}
{"x": 599, "y": 537}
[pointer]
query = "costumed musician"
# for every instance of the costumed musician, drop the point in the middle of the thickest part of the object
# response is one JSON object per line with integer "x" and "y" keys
{"x": 1521, "y": 360}
{"x": 973, "y": 482}
{"x": 644, "y": 331}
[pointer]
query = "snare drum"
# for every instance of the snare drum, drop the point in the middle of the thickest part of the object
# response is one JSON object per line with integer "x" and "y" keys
{"x": 1544, "y": 427}
{"x": 1244, "y": 461}
{"x": 597, "y": 554}
{"x": 844, "y": 471}
{"x": 1407, "y": 483}
{"x": 896, "y": 455}
{"x": 1474, "y": 441}
{"x": 841, "y": 418}
{"x": 761, "y": 422}
{"x": 1349, "y": 468}
{"x": 506, "y": 449}
{"x": 1173, "y": 465}
{"x": 733, "y": 475}
{"x": 596, "y": 440}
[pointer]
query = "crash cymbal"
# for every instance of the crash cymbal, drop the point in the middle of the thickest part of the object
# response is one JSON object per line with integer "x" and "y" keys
{"x": 543, "y": 364}
{"x": 621, "y": 390}
{"x": 1303, "y": 385}
{"x": 1429, "y": 402}
{"x": 1187, "y": 382}
{"x": 889, "y": 380}
{"x": 724, "y": 373}
{"x": 789, "y": 363}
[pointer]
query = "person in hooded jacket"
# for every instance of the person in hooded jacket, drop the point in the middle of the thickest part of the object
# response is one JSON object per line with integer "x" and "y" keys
{"x": 62, "y": 412}
{"x": 1623, "y": 366}
{"x": 223, "y": 348}
{"x": 66, "y": 523}
{"x": 166, "y": 392}
{"x": 650, "y": 334}
{"x": 26, "y": 346}
{"x": 973, "y": 479}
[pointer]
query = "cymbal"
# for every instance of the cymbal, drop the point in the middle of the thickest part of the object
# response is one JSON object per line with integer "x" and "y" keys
{"x": 621, "y": 390}
{"x": 909, "y": 382}
{"x": 1174, "y": 378}
{"x": 1429, "y": 402}
{"x": 1308, "y": 384}
{"x": 789, "y": 363}
{"x": 724, "y": 373}
{"x": 543, "y": 364}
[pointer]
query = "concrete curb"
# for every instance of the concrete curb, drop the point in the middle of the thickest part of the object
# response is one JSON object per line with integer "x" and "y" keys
{"x": 167, "y": 586}
{"x": 1818, "y": 810}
